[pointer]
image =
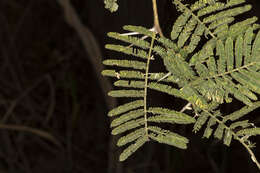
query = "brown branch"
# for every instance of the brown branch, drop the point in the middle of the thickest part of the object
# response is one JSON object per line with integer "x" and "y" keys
{"x": 52, "y": 99}
{"x": 91, "y": 47}
{"x": 95, "y": 57}
{"x": 156, "y": 19}
{"x": 34, "y": 131}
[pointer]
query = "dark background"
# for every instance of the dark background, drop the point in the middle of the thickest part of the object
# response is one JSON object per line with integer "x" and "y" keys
{"x": 50, "y": 62}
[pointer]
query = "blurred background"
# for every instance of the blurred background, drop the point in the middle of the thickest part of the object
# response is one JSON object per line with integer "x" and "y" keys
{"x": 53, "y": 100}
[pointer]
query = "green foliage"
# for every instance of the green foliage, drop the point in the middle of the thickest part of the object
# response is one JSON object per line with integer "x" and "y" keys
{"x": 111, "y": 5}
{"x": 136, "y": 115}
{"x": 224, "y": 131}
{"x": 226, "y": 67}
{"x": 233, "y": 69}
{"x": 204, "y": 18}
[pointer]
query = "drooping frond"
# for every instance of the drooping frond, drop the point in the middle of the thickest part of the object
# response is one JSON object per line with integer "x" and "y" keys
{"x": 133, "y": 119}
{"x": 237, "y": 130}
{"x": 206, "y": 18}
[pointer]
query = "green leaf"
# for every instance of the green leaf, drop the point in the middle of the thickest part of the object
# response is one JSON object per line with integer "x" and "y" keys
{"x": 178, "y": 25}
{"x": 126, "y": 107}
{"x": 208, "y": 131}
{"x": 126, "y": 93}
{"x": 229, "y": 53}
{"x": 123, "y": 74}
{"x": 132, "y": 148}
{"x": 126, "y": 117}
{"x": 247, "y": 44}
{"x": 161, "y": 131}
{"x": 128, "y": 126}
{"x": 239, "y": 51}
{"x": 130, "y": 84}
{"x": 165, "y": 88}
{"x": 200, "y": 121}
{"x": 168, "y": 137}
{"x": 171, "y": 116}
{"x": 125, "y": 63}
{"x": 131, "y": 137}
{"x": 243, "y": 124}
{"x": 219, "y": 131}
{"x": 227, "y": 137}
{"x": 241, "y": 112}
{"x": 249, "y": 132}
{"x": 227, "y": 13}
{"x": 111, "y": 5}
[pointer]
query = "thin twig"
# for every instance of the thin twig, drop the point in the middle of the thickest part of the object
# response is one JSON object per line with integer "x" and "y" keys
{"x": 16, "y": 70}
{"x": 156, "y": 18}
{"x": 253, "y": 158}
{"x": 37, "y": 132}
{"x": 52, "y": 99}
{"x": 186, "y": 107}
{"x": 17, "y": 100}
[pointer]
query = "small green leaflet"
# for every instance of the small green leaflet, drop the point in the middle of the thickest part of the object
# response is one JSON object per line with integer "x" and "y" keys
{"x": 111, "y": 5}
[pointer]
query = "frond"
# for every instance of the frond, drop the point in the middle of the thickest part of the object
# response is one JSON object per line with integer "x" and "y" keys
{"x": 206, "y": 18}
{"x": 223, "y": 33}
{"x": 234, "y": 71}
{"x": 133, "y": 119}
{"x": 235, "y": 130}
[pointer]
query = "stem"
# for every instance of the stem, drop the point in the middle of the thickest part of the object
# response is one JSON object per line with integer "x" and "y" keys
{"x": 156, "y": 19}
{"x": 146, "y": 84}
{"x": 222, "y": 74}
{"x": 187, "y": 106}
{"x": 253, "y": 158}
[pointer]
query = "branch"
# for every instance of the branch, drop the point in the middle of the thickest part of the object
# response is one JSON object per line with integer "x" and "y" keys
{"x": 95, "y": 57}
{"x": 91, "y": 47}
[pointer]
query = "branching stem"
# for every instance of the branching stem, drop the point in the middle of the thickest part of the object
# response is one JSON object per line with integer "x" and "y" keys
{"x": 146, "y": 83}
